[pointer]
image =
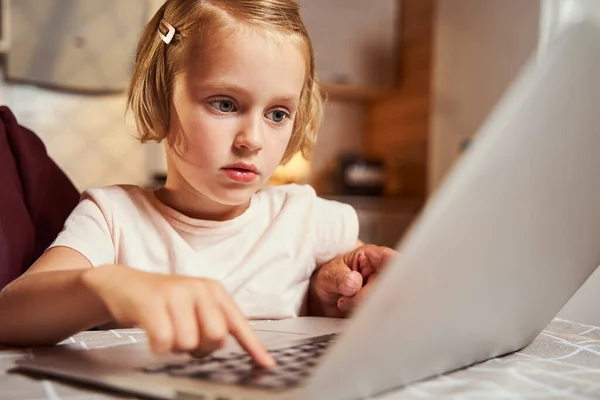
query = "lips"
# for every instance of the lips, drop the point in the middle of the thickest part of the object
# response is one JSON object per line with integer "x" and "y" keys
{"x": 241, "y": 172}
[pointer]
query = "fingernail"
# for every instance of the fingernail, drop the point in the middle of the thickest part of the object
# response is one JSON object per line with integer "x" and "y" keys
{"x": 350, "y": 283}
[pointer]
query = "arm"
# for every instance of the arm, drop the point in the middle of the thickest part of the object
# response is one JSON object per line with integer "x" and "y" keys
{"x": 51, "y": 301}
{"x": 63, "y": 294}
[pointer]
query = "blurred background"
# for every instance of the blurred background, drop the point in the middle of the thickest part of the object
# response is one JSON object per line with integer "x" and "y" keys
{"x": 408, "y": 84}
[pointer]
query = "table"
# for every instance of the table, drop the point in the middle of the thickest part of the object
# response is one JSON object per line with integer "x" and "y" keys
{"x": 563, "y": 362}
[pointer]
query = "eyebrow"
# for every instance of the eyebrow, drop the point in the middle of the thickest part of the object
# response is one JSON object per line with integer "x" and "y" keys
{"x": 231, "y": 87}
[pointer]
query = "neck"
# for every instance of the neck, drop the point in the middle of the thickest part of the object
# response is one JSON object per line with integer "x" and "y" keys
{"x": 179, "y": 195}
{"x": 198, "y": 206}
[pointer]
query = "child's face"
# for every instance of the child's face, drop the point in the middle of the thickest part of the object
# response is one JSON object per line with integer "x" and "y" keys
{"x": 235, "y": 107}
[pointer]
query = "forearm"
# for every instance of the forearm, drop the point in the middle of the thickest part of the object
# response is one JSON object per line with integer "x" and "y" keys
{"x": 44, "y": 308}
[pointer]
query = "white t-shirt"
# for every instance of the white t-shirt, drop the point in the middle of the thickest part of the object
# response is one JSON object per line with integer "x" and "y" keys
{"x": 264, "y": 257}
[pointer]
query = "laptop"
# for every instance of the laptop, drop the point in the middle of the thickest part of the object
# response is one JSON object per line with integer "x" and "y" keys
{"x": 499, "y": 249}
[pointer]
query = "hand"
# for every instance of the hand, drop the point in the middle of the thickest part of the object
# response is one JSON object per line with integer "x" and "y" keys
{"x": 179, "y": 314}
{"x": 338, "y": 286}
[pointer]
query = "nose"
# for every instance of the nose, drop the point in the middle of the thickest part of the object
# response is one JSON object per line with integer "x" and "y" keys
{"x": 250, "y": 136}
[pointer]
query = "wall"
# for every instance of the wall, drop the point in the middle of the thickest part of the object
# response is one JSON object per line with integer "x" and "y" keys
{"x": 479, "y": 48}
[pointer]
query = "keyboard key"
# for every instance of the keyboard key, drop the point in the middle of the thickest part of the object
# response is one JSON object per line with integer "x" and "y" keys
{"x": 293, "y": 365}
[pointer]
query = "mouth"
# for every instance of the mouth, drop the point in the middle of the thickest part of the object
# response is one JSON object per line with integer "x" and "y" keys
{"x": 241, "y": 172}
{"x": 242, "y": 167}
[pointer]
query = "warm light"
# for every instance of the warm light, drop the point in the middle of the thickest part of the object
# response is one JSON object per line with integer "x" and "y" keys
{"x": 294, "y": 171}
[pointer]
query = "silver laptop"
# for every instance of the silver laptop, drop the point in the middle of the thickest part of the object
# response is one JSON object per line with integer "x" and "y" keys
{"x": 501, "y": 247}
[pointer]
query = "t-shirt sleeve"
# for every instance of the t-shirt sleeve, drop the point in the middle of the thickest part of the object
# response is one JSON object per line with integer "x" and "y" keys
{"x": 336, "y": 227}
{"x": 87, "y": 232}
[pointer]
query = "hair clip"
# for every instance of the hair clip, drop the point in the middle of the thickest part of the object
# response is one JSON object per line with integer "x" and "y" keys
{"x": 169, "y": 36}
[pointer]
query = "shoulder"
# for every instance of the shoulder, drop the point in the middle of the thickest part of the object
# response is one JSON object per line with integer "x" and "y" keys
{"x": 116, "y": 196}
{"x": 115, "y": 193}
{"x": 117, "y": 199}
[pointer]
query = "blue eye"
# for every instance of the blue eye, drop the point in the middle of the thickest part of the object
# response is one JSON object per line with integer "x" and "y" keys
{"x": 277, "y": 116}
{"x": 223, "y": 106}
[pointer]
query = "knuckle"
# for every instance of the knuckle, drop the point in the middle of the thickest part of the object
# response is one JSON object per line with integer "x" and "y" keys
{"x": 217, "y": 286}
{"x": 199, "y": 287}
{"x": 174, "y": 292}
{"x": 178, "y": 295}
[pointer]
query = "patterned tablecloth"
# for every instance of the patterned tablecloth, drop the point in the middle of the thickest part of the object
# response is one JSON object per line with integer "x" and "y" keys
{"x": 562, "y": 363}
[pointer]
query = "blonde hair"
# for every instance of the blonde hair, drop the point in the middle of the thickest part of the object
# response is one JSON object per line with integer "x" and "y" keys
{"x": 157, "y": 63}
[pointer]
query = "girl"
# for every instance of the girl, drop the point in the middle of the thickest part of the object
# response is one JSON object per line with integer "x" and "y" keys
{"x": 230, "y": 85}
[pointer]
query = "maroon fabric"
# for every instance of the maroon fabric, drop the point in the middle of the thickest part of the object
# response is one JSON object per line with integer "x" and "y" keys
{"x": 36, "y": 197}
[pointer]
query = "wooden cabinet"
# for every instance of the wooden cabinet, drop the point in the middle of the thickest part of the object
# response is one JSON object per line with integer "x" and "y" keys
{"x": 398, "y": 126}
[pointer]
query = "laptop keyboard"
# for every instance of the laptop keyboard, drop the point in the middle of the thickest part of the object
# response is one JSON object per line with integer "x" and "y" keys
{"x": 294, "y": 364}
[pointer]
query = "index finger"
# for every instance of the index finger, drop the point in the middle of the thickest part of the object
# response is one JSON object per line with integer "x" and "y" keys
{"x": 244, "y": 334}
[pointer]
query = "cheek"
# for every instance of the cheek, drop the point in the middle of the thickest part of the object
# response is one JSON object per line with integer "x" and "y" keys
{"x": 203, "y": 145}
{"x": 278, "y": 144}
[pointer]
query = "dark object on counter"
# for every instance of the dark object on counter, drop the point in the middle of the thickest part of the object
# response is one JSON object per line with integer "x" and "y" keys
{"x": 356, "y": 175}
{"x": 159, "y": 179}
